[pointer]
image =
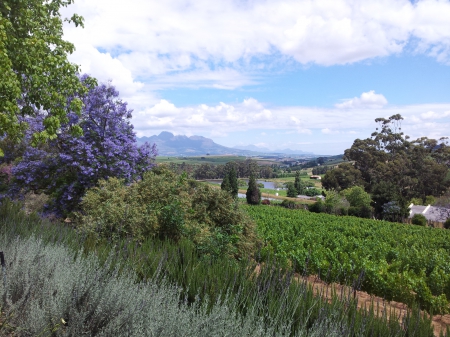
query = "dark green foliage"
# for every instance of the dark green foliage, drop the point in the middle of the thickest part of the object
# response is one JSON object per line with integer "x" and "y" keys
{"x": 230, "y": 182}
{"x": 311, "y": 192}
{"x": 317, "y": 207}
{"x": 360, "y": 211}
{"x": 396, "y": 169}
{"x": 342, "y": 177}
{"x": 298, "y": 184}
{"x": 419, "y": 220}
{"x": 253, "y": 194}
{"x": 291, "y": 190}
{"x": 292, "y": 204}
{"x": 447, "y": 224}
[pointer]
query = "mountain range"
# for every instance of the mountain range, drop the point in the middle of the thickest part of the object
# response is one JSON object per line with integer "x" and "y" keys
{"x": 170, "y": 145}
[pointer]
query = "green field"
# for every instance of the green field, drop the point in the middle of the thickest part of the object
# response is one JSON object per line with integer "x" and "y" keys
{"x": 399, "y": 262}
{"x": 213, "y": 160}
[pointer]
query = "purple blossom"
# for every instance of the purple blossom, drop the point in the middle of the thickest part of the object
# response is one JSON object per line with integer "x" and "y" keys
{"x": 67, "y": 166}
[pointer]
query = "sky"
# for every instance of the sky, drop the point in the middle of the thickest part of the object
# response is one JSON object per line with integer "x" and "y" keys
{"x": 308, "y": 75}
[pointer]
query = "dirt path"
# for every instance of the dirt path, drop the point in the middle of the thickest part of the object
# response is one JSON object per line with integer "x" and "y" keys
{"x": 440, "y": 322}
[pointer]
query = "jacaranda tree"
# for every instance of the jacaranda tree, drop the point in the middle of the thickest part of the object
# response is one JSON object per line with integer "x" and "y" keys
{"x": 67, "y": 166}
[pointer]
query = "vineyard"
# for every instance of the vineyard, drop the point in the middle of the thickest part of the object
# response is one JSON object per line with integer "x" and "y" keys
{"x": 405, "y": 263}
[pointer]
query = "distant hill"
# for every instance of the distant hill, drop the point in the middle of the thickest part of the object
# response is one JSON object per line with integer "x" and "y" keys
{"x": 170, "y": 145}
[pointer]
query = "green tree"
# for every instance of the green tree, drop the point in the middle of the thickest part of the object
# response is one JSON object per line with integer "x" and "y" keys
{"x": 396, "y": 169}
{"x": 230, "y": 182}
{"x": 35, "y": 72}
{"x": 298, "y": 183}
{"x": 357, "y": 197}
{"x": 291, "y": 190}
{"x": 342, "y": 177}
{"x": 253, "y": 194}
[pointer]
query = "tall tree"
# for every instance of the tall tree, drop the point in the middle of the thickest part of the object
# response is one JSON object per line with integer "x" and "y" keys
{"x": 298, "y": 184}
{"x": 35, "y": 72}
{"x": 396, "y": 169}
{"x": 253, "y": 194}
{"x": 67, "y": 166}
{"x": 230, "y": 181}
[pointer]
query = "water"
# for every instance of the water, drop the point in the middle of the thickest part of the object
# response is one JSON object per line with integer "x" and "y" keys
{"x": 267, "y": 184}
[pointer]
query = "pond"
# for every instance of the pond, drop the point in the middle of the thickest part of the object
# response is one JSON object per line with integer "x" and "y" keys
{"x": 267, "y": 184}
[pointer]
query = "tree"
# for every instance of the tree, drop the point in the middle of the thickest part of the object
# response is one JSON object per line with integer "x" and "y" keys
{"x": 396, "y": 169}
{"x": 67, "y": 166}
{"x": 291, "y": 190}
{"x": 298, "y": 184}
{"x": 35, "y": 72}
{"x": 342, "y": 177}
{"x": 230, "y": 182}
{"x": 253, "y": 194}
{"x": 357, "y": 197}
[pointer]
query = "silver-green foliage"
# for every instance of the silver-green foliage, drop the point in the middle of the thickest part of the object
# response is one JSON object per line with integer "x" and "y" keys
{"x": 48, "y": 285}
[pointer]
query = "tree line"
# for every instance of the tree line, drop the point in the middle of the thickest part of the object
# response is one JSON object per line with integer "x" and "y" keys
{"x": 393, "y": 168}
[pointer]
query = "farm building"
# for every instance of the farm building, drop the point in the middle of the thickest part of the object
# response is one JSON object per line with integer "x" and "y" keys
{"x": 435, "y": 215}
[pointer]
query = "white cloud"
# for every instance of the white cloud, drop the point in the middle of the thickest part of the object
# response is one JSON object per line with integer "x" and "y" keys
{"x": 367, "y": 100}
{"x": 225, "y": 43}
{"x": 434, "y": 115}
{"x": 328, "y": 131}
{"x": 251, "y": 114}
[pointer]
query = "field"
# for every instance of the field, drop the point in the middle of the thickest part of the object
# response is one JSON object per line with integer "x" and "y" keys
{"x": 405, "y": 263}
{"x": 213, "y": 160}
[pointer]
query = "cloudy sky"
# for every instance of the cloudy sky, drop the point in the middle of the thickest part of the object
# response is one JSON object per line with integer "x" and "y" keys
{"x": 310, "y": 75}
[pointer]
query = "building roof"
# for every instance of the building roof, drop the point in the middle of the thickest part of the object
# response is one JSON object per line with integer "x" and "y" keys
{"x": 432, "y": 213}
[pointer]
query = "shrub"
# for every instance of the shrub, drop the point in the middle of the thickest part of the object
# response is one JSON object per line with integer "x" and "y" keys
{"x": 265, "y": 202}
{"x": 419, "y": 220}
{"x": 447, "y": 224}
{"x": 430, "y": 200}
{"x": 292, "y": 204}
{"x": 167, "y": 206}
{"x": 317, "y": 207}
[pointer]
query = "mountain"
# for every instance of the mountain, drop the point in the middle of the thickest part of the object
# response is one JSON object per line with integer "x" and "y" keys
{"x": 170, "y": 145}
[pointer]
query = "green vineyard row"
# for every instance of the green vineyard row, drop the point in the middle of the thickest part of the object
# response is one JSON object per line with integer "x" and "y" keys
{"x": 405, "y": 263}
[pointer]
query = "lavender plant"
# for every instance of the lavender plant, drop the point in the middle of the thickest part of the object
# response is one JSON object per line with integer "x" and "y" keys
{"x": 68, "y": 165}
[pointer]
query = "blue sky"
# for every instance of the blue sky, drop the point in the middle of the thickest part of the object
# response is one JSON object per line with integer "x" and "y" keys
{"x": 300, "y": 74}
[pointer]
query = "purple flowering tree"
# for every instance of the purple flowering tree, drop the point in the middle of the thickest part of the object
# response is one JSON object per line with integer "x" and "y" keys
{"x": 65, "y": 167}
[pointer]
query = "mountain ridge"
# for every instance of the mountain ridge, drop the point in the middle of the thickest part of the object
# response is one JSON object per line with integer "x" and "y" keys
{"x": 169, "y": 144}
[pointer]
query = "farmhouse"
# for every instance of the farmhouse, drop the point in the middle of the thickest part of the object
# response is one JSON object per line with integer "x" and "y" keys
{"x": 431, "y": 213}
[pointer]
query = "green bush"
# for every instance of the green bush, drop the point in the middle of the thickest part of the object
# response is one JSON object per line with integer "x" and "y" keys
{"x": 419, "y": 220}
{"x": 447, "y": 224}
{"x": 292, "y": 204}
{"x": 317, "y": 207}
{"x": 167, "y": 206}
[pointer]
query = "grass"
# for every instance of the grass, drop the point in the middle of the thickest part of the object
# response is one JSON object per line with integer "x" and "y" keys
{"x": 223, "y": 294}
